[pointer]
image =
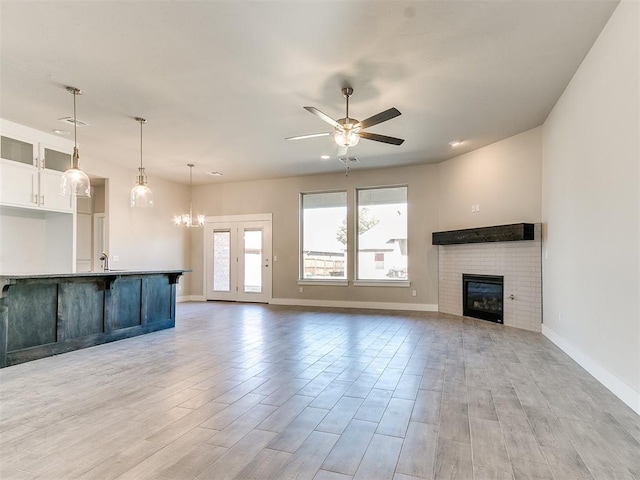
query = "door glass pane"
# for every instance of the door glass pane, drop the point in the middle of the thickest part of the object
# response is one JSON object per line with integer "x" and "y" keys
{"x": 253, "y": 261}
{"x": 54, "y": 160}
{"x": 15, "y": 150}
{"x": 221, "y": 261}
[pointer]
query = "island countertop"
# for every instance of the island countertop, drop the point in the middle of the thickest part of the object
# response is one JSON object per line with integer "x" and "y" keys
{"x": 89, "y": 274}
{"x": 43, "y": 314}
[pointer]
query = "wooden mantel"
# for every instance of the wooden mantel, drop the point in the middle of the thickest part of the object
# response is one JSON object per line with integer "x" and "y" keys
{"x": 498, "y": 233}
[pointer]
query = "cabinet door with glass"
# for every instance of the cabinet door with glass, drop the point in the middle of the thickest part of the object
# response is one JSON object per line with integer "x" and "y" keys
{"x": 54, "y": 161}
{"x": 18, "y": 171}
{"x": 31, "y": 172}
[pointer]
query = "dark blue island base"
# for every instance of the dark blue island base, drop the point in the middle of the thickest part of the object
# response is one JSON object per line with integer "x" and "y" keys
{"x": 44, "y": 315}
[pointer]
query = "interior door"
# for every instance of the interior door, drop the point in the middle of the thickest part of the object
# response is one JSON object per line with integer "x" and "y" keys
{"x": 238, "y": 260}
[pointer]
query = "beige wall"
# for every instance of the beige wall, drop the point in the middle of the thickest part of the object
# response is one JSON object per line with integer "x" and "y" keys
{"x": 143, "y": 238}
{"x": 591, "y": 210}
{"x": 503, "y": 178}
{"x": 281, "y": 198}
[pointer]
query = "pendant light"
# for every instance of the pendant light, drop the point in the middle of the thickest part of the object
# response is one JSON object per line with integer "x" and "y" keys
{"x": 186, "y": 219}
{"x": 141, "y": 195}
{"x": 74, "y": 181}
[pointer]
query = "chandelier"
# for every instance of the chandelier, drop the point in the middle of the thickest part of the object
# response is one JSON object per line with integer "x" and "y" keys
{"x": 186, "y": 219}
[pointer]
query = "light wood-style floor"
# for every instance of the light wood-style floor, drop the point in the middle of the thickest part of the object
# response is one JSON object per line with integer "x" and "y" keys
{"x": 254, "y": 391}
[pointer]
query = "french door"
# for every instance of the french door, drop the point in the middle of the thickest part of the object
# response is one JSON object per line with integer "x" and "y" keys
{"x": 238, "y": 258}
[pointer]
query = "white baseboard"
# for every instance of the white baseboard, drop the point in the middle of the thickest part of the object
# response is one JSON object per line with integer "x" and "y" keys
{"x": 620, "y": 389}
{"x": 191, "y": 298}
{"x": 414, "y": 307}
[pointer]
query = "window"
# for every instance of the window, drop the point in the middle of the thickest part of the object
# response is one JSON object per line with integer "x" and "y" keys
{"x": 382, "y": 233}
{"x": 324, "y": 236}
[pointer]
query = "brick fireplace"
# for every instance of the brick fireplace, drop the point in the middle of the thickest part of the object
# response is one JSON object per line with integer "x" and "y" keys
{"x": 516, "y": 260}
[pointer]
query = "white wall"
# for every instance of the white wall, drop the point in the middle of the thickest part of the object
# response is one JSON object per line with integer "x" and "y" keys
{"x": 591, "y": 210}
{"x": 503, "y": 178}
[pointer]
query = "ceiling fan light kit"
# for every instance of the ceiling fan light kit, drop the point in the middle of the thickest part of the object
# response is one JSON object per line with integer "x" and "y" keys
{"x": 348, "y": 131}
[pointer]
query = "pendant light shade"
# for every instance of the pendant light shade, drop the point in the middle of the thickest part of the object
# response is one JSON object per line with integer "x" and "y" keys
{"x": 186, "y": 219}
{"x": 141, "y": 195}
{"x": 74, "y": 181}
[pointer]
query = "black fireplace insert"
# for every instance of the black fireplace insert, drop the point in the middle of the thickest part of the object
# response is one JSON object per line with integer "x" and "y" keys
{"x": 483, "y": 297}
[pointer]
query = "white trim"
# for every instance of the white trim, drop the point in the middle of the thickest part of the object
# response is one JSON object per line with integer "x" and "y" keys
{"x": 238, "y": 218}
{"x": 620, "y": 389}
{"x": 190, "y": 298}
{"x": 413, "y": 307}
{"x": 335, "y": 283}
{"x": 382, "y": 283}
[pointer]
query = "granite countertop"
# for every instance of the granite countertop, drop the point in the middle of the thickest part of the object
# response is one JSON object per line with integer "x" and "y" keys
{"x": 110, "y": 273}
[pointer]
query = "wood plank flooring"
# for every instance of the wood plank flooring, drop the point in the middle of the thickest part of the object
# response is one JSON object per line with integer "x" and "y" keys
{"x": 239, "y": 391}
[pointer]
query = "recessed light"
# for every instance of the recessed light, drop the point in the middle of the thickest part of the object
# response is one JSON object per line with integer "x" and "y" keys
{"x": 215, "y": 174}
{"x": 62, "y": 132}
{"x": 325, "y": 157}
{"x": 455, "y": 143}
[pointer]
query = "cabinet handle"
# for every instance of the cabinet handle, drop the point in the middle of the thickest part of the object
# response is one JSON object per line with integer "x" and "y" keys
{"x": 34, "y": 187}
{"x": 42, "y": 199}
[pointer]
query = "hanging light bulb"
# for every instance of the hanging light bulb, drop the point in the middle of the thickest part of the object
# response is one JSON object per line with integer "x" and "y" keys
{"x": 141, "y": 195}
{"x": 74, "y": 181}
{"x": 348, "y": 137}
{"x": 186, "y": 219}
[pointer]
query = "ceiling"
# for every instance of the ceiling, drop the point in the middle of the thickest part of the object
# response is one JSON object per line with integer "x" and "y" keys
{"x": 222, "y": 83}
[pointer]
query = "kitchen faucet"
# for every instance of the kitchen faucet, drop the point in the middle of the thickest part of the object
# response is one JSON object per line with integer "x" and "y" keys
{"x": 105, "y": 258}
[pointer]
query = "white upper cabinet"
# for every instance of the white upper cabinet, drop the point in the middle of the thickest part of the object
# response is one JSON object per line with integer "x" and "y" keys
{"x": 31, "y": 168}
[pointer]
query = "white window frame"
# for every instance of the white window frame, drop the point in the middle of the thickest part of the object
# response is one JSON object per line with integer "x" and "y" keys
{"x": 339, "y": 282}
{"x": 376, "y": 282}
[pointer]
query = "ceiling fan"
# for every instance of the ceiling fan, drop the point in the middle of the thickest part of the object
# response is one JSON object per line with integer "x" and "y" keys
{"x": 348, "y": 131}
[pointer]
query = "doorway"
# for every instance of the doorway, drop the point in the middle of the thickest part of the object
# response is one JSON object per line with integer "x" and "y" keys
{"x": 238, "y": 258}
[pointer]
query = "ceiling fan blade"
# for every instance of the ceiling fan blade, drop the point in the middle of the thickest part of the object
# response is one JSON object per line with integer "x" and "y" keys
{"x": 311, "y": 135}
{"x": 323, "y": 116}
{"x": 380, "y": 117}
{"x": 381, "y": 138}
{"x": 342, "y": 151}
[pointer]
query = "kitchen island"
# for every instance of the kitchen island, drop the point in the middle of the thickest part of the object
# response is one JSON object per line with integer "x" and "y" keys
{"x": 47, "y": 314}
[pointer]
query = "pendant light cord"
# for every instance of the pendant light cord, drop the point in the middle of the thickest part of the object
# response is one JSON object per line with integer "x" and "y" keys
{"x": 191, "y": 192}
{"x": 141, "y": 122}
{"x": 75, "y": 120}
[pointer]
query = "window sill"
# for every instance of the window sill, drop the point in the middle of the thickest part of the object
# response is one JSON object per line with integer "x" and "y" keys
{"x": 382, "y": 283}
{"x": 331, "y": 283}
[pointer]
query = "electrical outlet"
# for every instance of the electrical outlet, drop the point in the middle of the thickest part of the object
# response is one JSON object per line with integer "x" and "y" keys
{"x": 300, "y": 289}
{"x": 473, "y": 209}
{"x": 414, "y": 293}
{"x": 477, "y": 207}
{"x": 275, "y": 258}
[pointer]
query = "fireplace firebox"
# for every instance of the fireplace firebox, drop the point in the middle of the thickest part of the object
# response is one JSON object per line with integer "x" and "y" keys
{"x": 483, "y": 297}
